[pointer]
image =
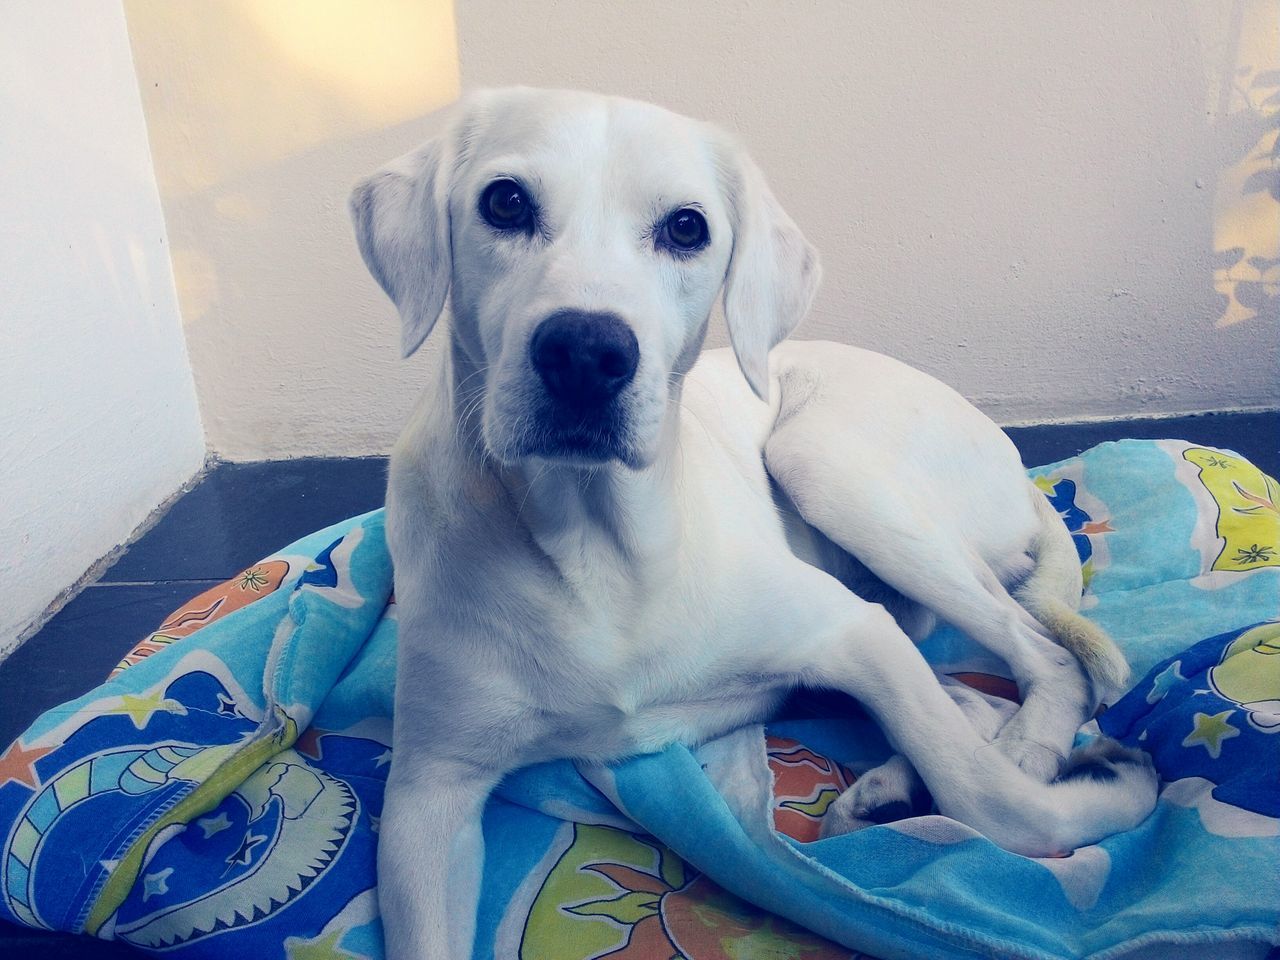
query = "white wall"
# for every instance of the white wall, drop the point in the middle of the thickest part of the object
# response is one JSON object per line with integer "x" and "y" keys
{"x": 98, "y": 419}
{"x": 1060, "y": 208}
{"x": 1026, "y": 199}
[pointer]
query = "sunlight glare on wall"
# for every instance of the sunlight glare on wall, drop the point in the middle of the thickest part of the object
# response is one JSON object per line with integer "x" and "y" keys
{"x": 391, "y": 59}
{"x": 235, "y": 85}
{"x": 1246, "y": 226}
{"x": 261, "y": 114}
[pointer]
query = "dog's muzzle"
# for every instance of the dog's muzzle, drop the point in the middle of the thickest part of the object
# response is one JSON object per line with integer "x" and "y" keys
{"x": 585, "y": 361}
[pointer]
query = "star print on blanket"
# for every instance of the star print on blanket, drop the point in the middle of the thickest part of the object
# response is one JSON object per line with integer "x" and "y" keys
{"x": 220, "y": 794}
{"x": 1210, "y": 718}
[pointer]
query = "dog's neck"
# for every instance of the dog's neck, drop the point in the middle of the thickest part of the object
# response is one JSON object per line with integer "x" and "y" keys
{"x": 575, "y": 512}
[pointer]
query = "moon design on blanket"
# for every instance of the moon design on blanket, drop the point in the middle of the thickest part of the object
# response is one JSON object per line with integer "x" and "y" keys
{"x": 1249, "y": 675}
{"x": 129, "y": 771}
{"x": 277, "y": 833}
{"x": 1080, "y": 514}
{"x": 330, "y": 572}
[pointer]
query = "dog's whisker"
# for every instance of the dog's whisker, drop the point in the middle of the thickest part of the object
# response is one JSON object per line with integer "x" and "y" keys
{"x": 529, "y": 489}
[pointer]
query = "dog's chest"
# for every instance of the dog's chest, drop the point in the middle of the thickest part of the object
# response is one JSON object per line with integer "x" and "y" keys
{"x": 622, "y": 667}
{"x": 562, "y": 629}
{"x": 635, "y": 690}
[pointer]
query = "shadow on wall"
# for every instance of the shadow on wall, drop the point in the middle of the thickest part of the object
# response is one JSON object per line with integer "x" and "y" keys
{"x": 1247, "y": 204}
{"x": 261, "y": 116}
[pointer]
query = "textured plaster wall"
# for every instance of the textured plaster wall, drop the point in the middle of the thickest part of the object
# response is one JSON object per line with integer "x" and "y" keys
{"x": 98, "y": 419}
{"x": 1064, "y": 210}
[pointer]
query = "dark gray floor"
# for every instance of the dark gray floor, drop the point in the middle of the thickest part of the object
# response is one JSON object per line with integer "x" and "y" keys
{"x": 1255, "y": 436}
{"x": 240, "y": 513}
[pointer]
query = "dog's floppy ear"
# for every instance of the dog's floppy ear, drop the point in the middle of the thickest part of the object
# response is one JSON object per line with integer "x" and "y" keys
{"x": 401, "y": 216}
{"x": 773, "y": 270}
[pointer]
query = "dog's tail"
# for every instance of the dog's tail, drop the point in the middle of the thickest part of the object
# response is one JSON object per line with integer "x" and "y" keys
{"x": 1051, "y": 594}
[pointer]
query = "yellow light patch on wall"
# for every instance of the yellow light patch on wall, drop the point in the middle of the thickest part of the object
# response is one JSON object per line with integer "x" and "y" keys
{"x": 1246, "y": 225}
{"x": 385, "y": 57}
{"x": 261, "y": 115}
{"x": 234, "y": 85}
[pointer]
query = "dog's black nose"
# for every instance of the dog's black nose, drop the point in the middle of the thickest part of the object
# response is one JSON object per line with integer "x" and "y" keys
{"x": 584, "y": 359}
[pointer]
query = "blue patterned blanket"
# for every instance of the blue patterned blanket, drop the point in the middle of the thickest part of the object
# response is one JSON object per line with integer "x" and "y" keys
{"x": 219, "y": 795}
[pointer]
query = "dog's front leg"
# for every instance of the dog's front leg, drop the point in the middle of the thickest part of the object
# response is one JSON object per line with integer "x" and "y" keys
{"x": 430, "y": 857}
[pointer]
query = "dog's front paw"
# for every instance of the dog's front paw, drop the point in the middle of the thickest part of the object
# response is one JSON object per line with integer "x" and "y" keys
{"x": 891, "y": 791}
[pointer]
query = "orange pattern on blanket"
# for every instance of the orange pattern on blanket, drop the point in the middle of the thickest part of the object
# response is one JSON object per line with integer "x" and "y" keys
{"x": 804, "y": 785}
{"x": 249, "y": 585}
{"x": 990, "y": 684}
{"x": 704, "y": 922}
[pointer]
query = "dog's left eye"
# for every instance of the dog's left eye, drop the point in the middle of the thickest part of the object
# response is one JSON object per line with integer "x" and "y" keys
{"x": 685, "y": 230}
{"x": 505, "y": 206}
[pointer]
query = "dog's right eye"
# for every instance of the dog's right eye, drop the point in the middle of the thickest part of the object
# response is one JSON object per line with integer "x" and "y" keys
{"x": 505, "y": 206}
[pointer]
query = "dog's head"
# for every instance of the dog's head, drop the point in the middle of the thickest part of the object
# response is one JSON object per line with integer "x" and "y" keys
{"x": 582, "y": 240}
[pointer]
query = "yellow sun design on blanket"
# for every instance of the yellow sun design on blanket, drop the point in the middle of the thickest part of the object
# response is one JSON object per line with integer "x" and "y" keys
{"x": 1248, "y": 510}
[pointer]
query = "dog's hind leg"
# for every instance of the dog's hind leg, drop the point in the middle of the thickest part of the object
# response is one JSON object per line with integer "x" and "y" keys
{"x": 884, "y": 508}
{"x": 844, "y": 643}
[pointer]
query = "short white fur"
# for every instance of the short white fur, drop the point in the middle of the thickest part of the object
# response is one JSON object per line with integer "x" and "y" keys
{"x": 553, "y": 608}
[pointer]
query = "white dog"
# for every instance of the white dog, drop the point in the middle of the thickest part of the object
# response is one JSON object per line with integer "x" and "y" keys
{"x": 602, "y": 547}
